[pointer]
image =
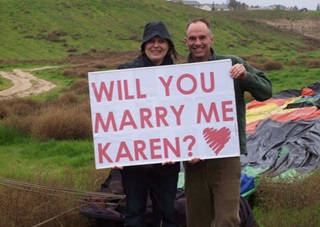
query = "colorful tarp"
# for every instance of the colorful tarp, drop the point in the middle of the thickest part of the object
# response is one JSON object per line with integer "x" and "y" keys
{"x": 283, "y": 133}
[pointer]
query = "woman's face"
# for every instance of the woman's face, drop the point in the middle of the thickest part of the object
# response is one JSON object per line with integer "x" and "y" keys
{"x": 156, "y": 49}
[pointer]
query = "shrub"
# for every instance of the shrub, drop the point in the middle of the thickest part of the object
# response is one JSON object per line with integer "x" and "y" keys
{"x": 18, "y": 106}
{"x": 62, "y": 123}
{"x": 289, "y": 201}
{"x": 4, "y": 110}
{"x": 313, "y": 63}
{"x": 99, "y": 64}
{"x": 290, "y": 192}
{"x": 272, "y": 65}
{"x": 80, "y": 87}
{"x": 257, "y": 65}
{"x": 19, "y": 113}
{"x": 73, "y": 49}
{"x": 22, "y": 124}
{"x": 68, "y": 72}
{"x": 67, "y": 99}
{"x": 79, "y": 71}
{"x": 293, "y": 62}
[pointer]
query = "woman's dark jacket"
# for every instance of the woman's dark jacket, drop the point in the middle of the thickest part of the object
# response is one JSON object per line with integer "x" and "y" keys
{"x": 158, "y": 169}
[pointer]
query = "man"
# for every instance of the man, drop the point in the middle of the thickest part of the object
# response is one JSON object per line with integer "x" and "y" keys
{"x": 213, "y": 185}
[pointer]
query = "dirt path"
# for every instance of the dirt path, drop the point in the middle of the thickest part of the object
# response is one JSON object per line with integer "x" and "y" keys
{"x": 25, "y": 84}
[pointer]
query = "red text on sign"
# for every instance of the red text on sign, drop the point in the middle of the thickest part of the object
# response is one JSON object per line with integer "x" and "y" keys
{"x": 155, "y": 149}
{"x": 190, "y": 79}
{"x": 207, "y": 114}
{"x": 147, "y": 119}
{"x": 119, "y": 87}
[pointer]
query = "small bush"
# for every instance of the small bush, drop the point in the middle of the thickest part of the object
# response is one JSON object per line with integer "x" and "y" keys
{"x": 4, "y": 110}
{"x": 62, "y": 123}
{"x": 67, "y": 99}
{"x": 290, "y": 192}
{"x": 293, "y": 62}
{"x": 99, "y": 65}
{"x": 257, "y": 65}
{"x": 72, "y": 50}
{"x": 290, "y": 201}
{"x": 22, "y": 124}
{"x": 79, "y": 71}
{"x": 272, "y": 65}
{"x": 69, "y": 71}
{"x": 19, "y": 107}
{"x": 29, "y": 37}
{"x": 80, "y": 87}
{"x": 313, "y": 63}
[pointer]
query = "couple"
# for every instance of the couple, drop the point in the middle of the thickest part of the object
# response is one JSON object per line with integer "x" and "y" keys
{"x": 213, "y": 185}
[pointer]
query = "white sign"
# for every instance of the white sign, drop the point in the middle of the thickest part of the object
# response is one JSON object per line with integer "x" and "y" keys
{"x": 165, "y": 113}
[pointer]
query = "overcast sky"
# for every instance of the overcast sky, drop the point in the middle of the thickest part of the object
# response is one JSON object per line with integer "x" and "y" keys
{"x": 309, "y": 4}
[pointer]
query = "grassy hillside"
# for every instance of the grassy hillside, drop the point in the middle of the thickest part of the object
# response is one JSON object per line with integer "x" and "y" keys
{"x": 54, "y": 29}
{"x": 33, "y": 31}
{"x": 48, "y": 29}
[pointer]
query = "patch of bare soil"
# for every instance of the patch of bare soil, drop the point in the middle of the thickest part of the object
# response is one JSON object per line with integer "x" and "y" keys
{"x": 305, "y": 27}
{"x": 25, "y": 84}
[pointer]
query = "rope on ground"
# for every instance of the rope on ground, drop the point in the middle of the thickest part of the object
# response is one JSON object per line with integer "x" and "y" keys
{"x": 51, "y": 219}
{"x": 71, "y": 194}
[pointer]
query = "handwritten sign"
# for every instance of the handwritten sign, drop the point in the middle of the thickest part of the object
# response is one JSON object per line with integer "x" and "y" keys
{"x": 165, "y": 113}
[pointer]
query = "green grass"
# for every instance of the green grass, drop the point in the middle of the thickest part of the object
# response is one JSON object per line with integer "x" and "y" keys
{"x": 26, "y": 159}
{"x": 5, "y": 83}
{"x": 288, "y": 217}
{"x": 28, "y": 27}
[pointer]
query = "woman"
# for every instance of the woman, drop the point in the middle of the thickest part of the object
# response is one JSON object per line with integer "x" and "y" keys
{"x": 159, "y": 181}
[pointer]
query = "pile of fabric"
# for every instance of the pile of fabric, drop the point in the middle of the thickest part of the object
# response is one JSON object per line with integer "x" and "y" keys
{"x": 283, "y": 134}
{"x": 108, "y": 211}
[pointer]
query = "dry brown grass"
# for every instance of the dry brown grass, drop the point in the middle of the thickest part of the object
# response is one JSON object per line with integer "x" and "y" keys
{"x": 265, "y": 64}
{"x": 290, "y": 201}
{"x": 18, "y": 107}
{"x": 80, "y": 87}
{"x": 272, "y": 65}
{"x": 29, "y": 208}
{"x": 62, "y": 123}
{"x": 45, "y": 202}
{"x": 57, "y": 121}
{"x": 66, "y": 118}
{"x": 313, "y": 63}
{"x": 308, "y": 63}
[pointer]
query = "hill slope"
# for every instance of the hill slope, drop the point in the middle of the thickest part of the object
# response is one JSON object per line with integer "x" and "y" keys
{"x": 54, "y": 29}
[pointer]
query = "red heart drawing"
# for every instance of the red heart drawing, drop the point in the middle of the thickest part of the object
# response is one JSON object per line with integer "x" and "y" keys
{"x": 216, "y": 139}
